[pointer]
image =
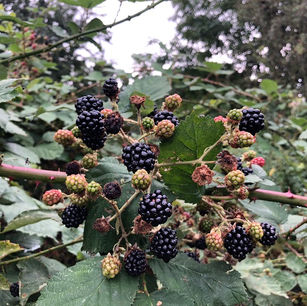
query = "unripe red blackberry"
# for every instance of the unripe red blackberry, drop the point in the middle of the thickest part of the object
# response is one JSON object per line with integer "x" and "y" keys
{"x": 155, "y": 208}
{"x": 53, "y": 196}
{"x": 64, "y": 137}
{"x": 94, "y": 190}
{"x": 138, "y": 156}
{"x": 205, "y": 224}
{"x": 73, "y": 168}
{"x": 254, "y": 230}
{"x": 80, "y": 200}
{"x": 234, "y": 116}
{"x": 135, "y": 262}
{"x": 241, "y": 193}
{"x": 112, "y": 190}
{"x": 111, "y": 266}
{"x": 113, "y": 123}
{"x": 141, "y": 180}
{"x": 166, "y": 115}
{"x": 76, "y": 183}
{"x": 148, "y": 123}
{"x": 260, "y": 161}
{"x": 106, "y": 112}
{"x": 73, "y": 215}
{"x": 164, "y": 128}
{"x": 214, "y": 240}
{"x": 252, "y": 121}
{"x": 269, "y": 234}
{"x": 88, "y": 103}
{"x": 234, "y": 179}
{"x": 110, "y": 88}
{"x": 14, "y": 289}
{"x": 76, "y": 132}
{"x": 89, "y": 161}
{"x": 238, "y": 243}
{"x": 172, "y": 102}
{"x": 164, "y": 244}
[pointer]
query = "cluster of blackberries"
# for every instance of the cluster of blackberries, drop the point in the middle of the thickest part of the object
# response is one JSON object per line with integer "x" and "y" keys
{"x": 110, "y": 88}
{"x": 165, "y": 115}
{"x": 252, "y": 121}
{"x": 238, "y": 243}
{"x": 88, "y": 103}
{"x": 92, "y": 128}
{"x": 155, "y": 208}
{"x": 138, "y": 156}
{"x": 245, "y": 170}
{"x": 164, "y": 244}
{"x": 269, "y": 234}
{"x": 135, "y": 262}
{"x": 73, "y": 215}
{"x": 14, "y": 289}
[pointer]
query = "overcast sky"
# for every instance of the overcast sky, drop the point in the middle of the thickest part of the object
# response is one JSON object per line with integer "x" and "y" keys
{"x": 133, "y": 37}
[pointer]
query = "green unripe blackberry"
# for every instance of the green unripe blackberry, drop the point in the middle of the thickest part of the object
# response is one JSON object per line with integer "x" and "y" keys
{"x": 214, "y": 240}
{"x": 148, "y": 123}
{"x": 234, "y": 179}
{"x": 76, "y": 132}
{"x": 89, "y": 161}
{"x": 76, "y": 183}
{"x": 234, "y": 115}
{"x": 94, "y": 189}
{"x": 79, "y": 200}
{"x": 255, "y": 230}
{"x": 205, "y": 224}
{"x": 165, "y": 129}
{"x": 141, "y": 180}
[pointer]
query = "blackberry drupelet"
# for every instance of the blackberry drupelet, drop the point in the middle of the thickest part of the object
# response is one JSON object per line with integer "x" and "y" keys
{"x": 238, "y": 243}
{"x": 252, "y": 121}
{"x": 164, "y": 244}
{"x": 112, "y": 190}
{"x": 166, "y": 115}
{"x": 73, "y": 215}
{"x": 245, "y": 170}
{"x": 113, "y": 123}
{"x": 155, "y": 208}
{"x": 135, "y": 262}
{"x": 14, "y": 289}
{"x": 269, "y": 234}
{"x": 88, "y": 103}
{"x": 138, "y": 156}
{"x": 192, "y": 255}
{"x": 110, "y": 88}
{"x": 73, "y": 167}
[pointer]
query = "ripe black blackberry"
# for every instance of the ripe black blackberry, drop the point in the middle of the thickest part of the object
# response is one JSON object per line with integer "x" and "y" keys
{"x": 113, "y": 123}
{"x": 112, "y": 190}
{"x": 73, "y": 215}
{"x": 153, "y": 113}
{"x": 155, "y": 208}
{"x": 91, "y": 123}
{"x": 166, "y": 115}
{"x": 245, "y": 170}
{"x": 88, "y": 103}
{"x": 138, "y": 156}
{"x": 164, "y": 244}
{"x": 73, "y": 167}
{"x": 110, "y": 88}
{"x": 14, "y": 289}
{"x": 192, "y": 255}
{"x": 135, "y": 262}
{"x": 269, "y": 234}
{"x": 95, "y": 143}
{"x": 252, "y": 121}
{"x": 201, "y": 243}
{"x": 238, "y": 243}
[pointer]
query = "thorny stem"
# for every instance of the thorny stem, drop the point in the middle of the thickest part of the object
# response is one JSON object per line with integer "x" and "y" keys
{"x": 77, "y": 240}
{"x": 77, "y": 36}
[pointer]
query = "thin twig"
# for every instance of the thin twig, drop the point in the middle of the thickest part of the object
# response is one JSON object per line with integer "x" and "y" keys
{"x": 293, "y": 229}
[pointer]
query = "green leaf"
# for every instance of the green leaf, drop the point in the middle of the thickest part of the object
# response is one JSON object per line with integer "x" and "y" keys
{"x": 84, "y": 284}
{"x": 7, "y": 248}
{"x": 213, "y": 67}
{"x": 59, "y": 31}
{"x": 4, "y": 283}
{"x": 15, "y": 20}
{"x": 212, "y": 283}
{"x": 167, "y": 297}
{"x": 272, "y": 300}
{"x": 7, "y": 91}
{"x": 3, "y": 72}
{"x": 95, "y": 76}
{"x": 286, "y": 279}
{"x": 302, "y": 281}
{"x": 22, "y": 151}
{"x": 49, "y": 151}
{"x": 296, "y": 264}
{"x": 30, "y": 217}
{"x": 191, "y": 138}
{"x": 269, "y": 86}
{"x": 53, "y": 266}
{"x": 83, "y": 3}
